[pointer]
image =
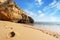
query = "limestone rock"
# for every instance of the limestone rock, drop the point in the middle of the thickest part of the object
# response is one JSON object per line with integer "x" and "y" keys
{"x": 2, "y": 1}
{"x": 9, "y": 11}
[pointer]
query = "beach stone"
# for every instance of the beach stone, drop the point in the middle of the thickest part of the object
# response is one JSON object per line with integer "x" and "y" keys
{"x": 9, "y": 11}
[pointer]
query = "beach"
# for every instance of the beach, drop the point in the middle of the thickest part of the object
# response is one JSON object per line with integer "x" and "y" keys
{"x": 24, "y": 32}
{"x": 17, "y": 20}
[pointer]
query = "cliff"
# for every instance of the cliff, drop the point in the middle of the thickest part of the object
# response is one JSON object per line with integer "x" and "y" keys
{"x": 9, "y": 11}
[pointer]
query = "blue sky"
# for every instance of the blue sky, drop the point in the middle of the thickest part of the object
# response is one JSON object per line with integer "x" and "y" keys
{"x": 41, "y": 10}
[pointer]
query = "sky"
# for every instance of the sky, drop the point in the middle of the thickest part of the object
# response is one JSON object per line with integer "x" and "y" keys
{"x": 41, "y": 10}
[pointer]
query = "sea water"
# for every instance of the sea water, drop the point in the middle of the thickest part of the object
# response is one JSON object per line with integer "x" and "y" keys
{"x": 53, "y": 26}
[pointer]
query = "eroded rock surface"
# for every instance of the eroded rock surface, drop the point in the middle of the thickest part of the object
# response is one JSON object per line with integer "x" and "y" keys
{"x": 9, "y": 11}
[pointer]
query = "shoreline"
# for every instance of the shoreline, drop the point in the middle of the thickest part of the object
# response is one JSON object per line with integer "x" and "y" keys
{"x": 25, "y": 32}
{"x": 46, "y": 31}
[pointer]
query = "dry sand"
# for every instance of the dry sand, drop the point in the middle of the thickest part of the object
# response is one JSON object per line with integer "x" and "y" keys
{"x": 15, "y": 31}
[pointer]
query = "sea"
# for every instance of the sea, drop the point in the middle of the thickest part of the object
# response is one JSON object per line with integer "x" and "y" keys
{"x": 53, "y": 26}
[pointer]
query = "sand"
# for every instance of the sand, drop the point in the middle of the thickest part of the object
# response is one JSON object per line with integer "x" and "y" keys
{"x": 17, "y": 31}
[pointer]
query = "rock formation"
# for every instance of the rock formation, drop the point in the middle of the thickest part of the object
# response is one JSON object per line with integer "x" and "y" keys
{"x": 26, "y": 19}
{"x": 9, "y": 11}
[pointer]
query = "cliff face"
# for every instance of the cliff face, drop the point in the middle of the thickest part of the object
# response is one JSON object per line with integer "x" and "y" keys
{"x": 9, "y": 11}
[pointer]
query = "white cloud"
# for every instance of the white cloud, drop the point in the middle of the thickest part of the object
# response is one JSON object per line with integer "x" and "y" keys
{"x": 39, "y": 2}
{"x": 40, "y": 13}
{"x": 41, "y": 16}
{"x": 53, "y": 19}
{"x": 53, "y": 3}
{"x": 53, "y": 13}
{"x": 30, "y": 13}
{"x": 46, "y": 19}
{"x": 58, "y": 6}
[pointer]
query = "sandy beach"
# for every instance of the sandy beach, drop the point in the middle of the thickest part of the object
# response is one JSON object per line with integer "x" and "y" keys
{"x": 17, "y": 31}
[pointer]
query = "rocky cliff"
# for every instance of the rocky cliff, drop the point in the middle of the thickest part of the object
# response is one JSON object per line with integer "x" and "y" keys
{"x": 9, "y": 11}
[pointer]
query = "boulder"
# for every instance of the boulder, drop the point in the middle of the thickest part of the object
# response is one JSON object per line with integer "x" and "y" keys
{"x": 9, "y": 11}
